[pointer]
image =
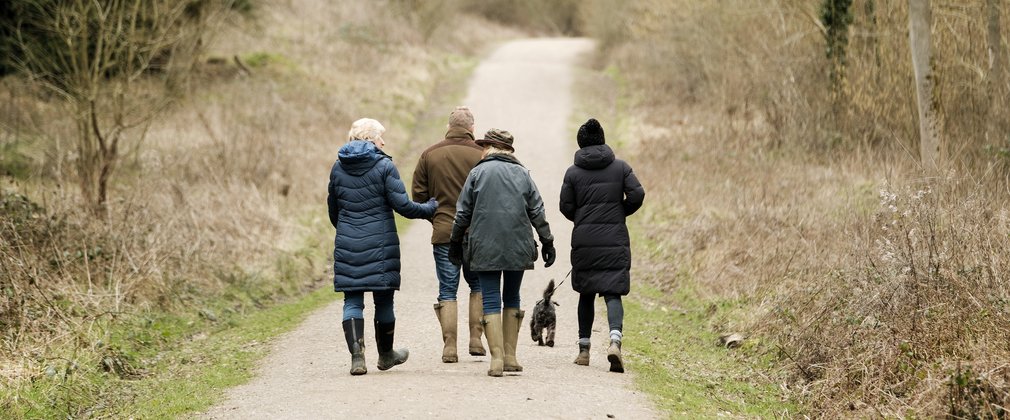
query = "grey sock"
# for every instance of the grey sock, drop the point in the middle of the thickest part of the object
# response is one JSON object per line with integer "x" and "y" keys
{"x": 584, "y": 341}
{"x": 616, "y": 335}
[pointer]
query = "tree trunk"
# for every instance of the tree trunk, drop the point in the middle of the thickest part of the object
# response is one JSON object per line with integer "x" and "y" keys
{"x": 836, "y": 15}
{"x": 930, "y": 141}
{"x": 993, "y": 38}
{"x": 871, "y": 13}
{"x": 994, "y": 136}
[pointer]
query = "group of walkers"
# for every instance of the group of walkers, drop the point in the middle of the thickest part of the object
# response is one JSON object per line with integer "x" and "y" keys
{"x": 484, "y": 208}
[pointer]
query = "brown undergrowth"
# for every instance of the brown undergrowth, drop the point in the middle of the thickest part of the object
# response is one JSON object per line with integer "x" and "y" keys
{"x": 879, "y": 291}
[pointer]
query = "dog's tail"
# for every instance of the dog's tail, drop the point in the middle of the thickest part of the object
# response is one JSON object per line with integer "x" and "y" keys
{"x": 549, "y": 291}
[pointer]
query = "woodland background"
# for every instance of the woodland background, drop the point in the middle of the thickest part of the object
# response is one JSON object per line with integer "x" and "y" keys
{"x": 160, "y": 176}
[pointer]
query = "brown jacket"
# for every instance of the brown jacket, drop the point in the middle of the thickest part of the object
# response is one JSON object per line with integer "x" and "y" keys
{"x": 440, "y": 174}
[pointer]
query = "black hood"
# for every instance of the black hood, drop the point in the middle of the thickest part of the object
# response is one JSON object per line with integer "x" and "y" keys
{"x": 594, "y": 157}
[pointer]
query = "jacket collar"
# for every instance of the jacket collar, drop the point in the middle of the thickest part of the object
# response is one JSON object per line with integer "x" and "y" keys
{"x": 459, "y": 133}
{"x": 501, "y": 158}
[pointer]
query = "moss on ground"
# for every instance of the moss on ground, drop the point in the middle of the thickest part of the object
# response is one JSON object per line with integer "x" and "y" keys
{"x": 676, "y": 358}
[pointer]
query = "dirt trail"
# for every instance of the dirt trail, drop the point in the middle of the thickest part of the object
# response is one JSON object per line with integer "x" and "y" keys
{"x": 523, "y": 87}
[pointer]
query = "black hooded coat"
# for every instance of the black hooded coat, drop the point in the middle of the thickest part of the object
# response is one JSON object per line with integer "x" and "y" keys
{"x": 598, "y": 193}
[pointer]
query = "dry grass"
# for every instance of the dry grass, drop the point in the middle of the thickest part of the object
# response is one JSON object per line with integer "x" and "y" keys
{"x": 884, "y": 292}
{"x": 225, "y": 195}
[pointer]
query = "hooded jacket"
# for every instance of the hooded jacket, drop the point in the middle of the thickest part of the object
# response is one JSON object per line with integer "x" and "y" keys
{"x": 500, "y": 205}
{"x": 364, "y": 190}
{"x": 598, "y": 193}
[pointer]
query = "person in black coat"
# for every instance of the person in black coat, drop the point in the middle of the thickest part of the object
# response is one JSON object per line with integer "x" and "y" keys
{"x": 364, "y": 190}
{"x": 598, "y": 194}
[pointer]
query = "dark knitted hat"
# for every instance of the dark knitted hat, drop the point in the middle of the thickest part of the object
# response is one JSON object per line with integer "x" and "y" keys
{"x": 591, "y": 133}
{"x": 498, "y": 138}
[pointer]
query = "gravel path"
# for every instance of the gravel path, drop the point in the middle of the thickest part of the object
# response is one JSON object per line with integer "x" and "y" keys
{"x": 523, "y": 87}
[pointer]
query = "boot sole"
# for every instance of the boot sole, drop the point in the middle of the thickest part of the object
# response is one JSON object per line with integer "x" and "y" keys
{"x": 391, "y": 366}
{"x": 395, "y": 363}
{"x": 452, "y": 359}
{"x": 359, "y": 372}
{"x": 616, "y": 364}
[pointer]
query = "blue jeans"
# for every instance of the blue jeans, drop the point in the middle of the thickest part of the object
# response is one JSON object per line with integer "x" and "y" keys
{"x": 448, "y": 275}
{"x": 495, "y": 290}
{"x": 354, "y": 306}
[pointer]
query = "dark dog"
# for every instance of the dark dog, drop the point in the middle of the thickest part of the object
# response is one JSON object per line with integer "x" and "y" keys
{"x": 544, "y": 320}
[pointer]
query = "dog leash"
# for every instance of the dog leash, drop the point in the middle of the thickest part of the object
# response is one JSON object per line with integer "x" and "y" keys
{"x": 563, "y": 280}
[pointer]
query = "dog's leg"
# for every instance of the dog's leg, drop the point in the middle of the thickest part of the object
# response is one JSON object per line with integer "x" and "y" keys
{"x": 550, "y": 336}
{"x": 535, "y": 332}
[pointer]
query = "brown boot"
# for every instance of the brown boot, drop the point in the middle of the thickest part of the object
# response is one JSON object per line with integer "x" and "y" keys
{"x": 512, "y": 320}
{"x": 614, "y": 356}
{"x": 445, "y": 310}
{"x": 476, "y": 312}
{"x": 493, "y": 332}
{"x": 583, "y": 357}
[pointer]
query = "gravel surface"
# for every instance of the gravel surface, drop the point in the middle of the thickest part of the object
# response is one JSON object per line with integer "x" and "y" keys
{"x": 523, "y": 87}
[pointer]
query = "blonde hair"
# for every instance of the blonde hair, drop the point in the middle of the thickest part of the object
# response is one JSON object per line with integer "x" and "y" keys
{"x": 365, "y": 129}
{"x": 492, "y": 150}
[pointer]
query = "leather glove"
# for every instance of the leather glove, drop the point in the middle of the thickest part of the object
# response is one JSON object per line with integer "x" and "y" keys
{"x": 548, "y": 253}
{"x": 456, "y": 253}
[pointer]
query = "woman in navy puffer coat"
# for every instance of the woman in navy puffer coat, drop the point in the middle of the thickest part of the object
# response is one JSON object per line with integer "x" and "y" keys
{"x": 364, "y": 190}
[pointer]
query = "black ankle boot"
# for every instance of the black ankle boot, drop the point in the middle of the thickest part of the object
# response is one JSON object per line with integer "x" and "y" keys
{"x": 388, "y": 357}
{"x": 354, "y": 333}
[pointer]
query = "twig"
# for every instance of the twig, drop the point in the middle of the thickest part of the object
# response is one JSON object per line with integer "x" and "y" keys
{"x": 241, "y": 65}
{"x": 806, "y": 374}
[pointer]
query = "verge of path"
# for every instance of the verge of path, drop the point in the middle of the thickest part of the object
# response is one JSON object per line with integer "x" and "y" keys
{"x": 523, "y": 87}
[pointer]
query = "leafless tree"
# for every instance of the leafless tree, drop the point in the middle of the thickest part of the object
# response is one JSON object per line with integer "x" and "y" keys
{"x": 115, "y": 64}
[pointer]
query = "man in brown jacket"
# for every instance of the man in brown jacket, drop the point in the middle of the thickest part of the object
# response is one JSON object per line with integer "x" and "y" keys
{"x": 440, "y": 174}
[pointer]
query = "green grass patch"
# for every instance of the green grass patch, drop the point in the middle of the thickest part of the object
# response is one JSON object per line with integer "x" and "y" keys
{"x": 13, "y": 162}
{"x": 260, "y": 59}
{"x": 677, "y": 360}
{"x": 198, "y": 373}
{"x": 157, "y": 364}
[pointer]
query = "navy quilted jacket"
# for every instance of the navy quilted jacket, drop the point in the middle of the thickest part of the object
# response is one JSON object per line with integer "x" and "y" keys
{"x": 364, "y": 190}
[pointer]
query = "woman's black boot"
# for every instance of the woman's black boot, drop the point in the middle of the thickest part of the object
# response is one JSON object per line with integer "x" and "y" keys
{"x": 388, "y": 357}
{"x": 354, "y": 333}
